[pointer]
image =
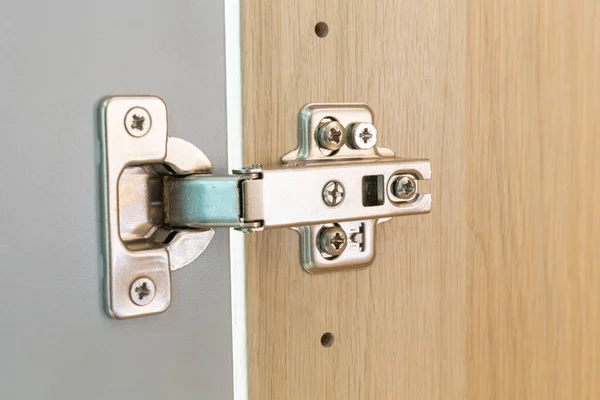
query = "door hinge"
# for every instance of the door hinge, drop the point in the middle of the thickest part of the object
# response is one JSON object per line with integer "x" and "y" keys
{"x": 161, "y": 198}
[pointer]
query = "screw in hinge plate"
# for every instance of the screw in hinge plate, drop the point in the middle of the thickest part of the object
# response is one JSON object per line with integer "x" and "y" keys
{"x": 333, "y": 193}
{"x": 333, "y": 241}
{"x": 138, "y": 121}
{"x": 405, "y": 187}
{"x": 142, "y": 291}
{"x": 331, "y": 134}
{"x": 362, "y": 136}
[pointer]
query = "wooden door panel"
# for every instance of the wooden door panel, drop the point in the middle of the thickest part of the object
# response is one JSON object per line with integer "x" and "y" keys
{"x": 492, "y": 295}
{"x": 533, "y": 199}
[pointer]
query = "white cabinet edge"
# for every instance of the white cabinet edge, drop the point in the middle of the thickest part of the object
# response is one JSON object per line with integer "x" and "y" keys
{"x": 237, "y": 251}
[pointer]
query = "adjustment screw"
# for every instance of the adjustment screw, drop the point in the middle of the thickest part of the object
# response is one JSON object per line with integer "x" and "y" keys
{"x": 333, "y": 193}
{"x": 362, "y": 136}
{"x": 333, "y": 241}
{"x": 142, "y": 291}
{"x": 331, "y": 134}
{"x": 138, "y": 121}
{"x": 405, "y": 187}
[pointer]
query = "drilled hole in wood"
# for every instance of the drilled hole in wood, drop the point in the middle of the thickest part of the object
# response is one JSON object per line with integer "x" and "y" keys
{"x": 321, "y": 29}
{"x": 327, "y": 339}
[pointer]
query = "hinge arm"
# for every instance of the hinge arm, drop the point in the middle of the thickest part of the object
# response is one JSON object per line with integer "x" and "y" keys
{"x": 293, "y": 196}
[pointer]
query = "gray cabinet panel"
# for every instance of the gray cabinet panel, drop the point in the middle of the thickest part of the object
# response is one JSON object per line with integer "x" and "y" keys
{"x": 57, "y": 59}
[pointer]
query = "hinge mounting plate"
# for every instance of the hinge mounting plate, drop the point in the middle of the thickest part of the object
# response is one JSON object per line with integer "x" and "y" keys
{"x": 358, "y": 233}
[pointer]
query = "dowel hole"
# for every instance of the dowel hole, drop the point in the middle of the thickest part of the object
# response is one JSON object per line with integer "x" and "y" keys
{"x": 321, "y": 29}
{"x": 327, "y": 339}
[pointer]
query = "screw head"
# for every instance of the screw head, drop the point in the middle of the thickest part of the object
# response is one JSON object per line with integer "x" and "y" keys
{"x": 249, "y": 169}
{"x": 142, "y": 291}
{"x": 333, "y": 241}
{"x": 405, "y": 187}
{"x": 331, "y": 134}
{"x": 253, "y": 168}
{"x": 333, "y": 193}
{"x": 362, "y": 136}
{"x": 138, "y": 121}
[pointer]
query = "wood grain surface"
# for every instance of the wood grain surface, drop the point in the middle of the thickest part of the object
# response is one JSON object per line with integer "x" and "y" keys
{"x": 494, "y": 295}
{"x": 533, "y": 190}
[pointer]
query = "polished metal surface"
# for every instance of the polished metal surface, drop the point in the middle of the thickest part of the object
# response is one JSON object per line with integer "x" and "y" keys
{"x": 288, "y": 196}
{"x": 368, "y": 181}
{"x": 332, "y": 241}
{"x": 136, "y": 242}
{"x": 210, "y": 201}
{"x": 346, "y": 113}
{"x": 362, "y": 136}
{"x": 292, "y": 196}
{"x": 331, "y": 134}
{"x": 359, "y": 251}
{"x": 333, "y": 193}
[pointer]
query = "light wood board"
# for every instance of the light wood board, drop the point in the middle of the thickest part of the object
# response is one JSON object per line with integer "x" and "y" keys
{"x": 533, "y": 190}
{"x": 492, "y": 295}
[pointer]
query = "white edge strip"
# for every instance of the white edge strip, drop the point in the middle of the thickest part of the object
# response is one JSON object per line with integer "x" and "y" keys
{"x": 237, "y": 251}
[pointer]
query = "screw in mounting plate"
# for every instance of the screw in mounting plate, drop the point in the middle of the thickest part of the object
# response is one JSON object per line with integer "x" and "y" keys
{"x": 331, "y": 134}
{"x": 138, "y": 121}
{"x": 333, "y": 241}
{"x": 142, "y": 291}
{"x": 405, "y": 187}
{"x": 362, "y": 136}
{"x": 333, "y": 193}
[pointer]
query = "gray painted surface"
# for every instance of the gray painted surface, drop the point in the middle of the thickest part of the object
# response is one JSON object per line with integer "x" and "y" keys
{"x": 57, "y": 59}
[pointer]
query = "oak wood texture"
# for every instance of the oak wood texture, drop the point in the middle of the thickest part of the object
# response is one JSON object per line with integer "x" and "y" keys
{"x": 533, "y": 190}
{"x": 492, "y": 295}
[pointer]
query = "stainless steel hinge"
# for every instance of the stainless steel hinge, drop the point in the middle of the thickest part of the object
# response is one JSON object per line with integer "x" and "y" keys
{"x": 161, "y": 199}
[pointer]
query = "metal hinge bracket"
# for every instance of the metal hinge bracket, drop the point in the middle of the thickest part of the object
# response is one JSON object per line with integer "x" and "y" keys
{"x": 161, "y": 200}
